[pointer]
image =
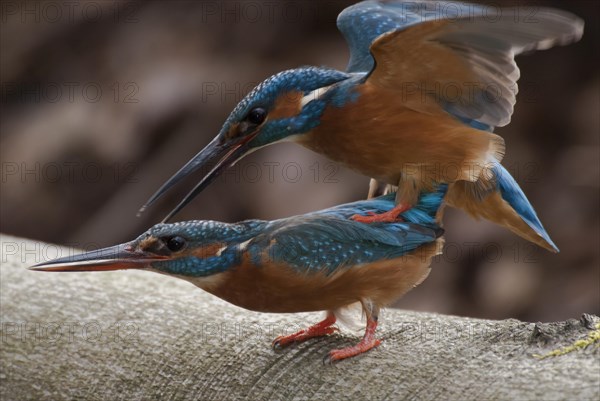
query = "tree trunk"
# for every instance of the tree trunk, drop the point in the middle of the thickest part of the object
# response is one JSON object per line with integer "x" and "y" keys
{"x": 135, "y": 335}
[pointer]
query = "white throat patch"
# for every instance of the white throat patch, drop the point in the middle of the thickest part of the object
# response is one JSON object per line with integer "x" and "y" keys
{"x": 314, "y": 95}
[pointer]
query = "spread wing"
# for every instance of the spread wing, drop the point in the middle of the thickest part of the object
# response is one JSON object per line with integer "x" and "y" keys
{"x": 459, "y": 55}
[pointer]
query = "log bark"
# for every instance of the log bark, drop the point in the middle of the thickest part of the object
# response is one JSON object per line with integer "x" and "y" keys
{"x": 135, "y": 335}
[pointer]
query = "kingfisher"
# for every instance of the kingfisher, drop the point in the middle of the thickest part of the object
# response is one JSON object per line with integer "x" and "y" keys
{"x": 320, "y": 261}
{"x": 426, "y": 84}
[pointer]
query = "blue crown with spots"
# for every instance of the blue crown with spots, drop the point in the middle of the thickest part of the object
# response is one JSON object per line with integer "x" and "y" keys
{"x": 304, "y": 79}
{"x": 206, "y": 231}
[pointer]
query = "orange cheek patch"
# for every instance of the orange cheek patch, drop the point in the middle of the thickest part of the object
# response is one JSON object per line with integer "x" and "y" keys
{"x": 287, "y": 105}
{"x": 233, "y": 130}
{"x": 208, "y": 250}
{"x": 147, "y": 243}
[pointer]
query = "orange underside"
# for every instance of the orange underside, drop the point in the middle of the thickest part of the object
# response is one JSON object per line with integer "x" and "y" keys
{"x": 383, "y": 137}
{"x": 281, "y": 289}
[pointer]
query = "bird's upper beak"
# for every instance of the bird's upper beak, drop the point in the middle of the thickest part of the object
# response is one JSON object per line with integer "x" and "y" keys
{"x": 114, "y": 258}
{"x": 213, "y": 159}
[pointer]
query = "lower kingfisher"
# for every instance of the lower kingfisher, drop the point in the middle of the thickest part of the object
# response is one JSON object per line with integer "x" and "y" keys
{"x": 322, "y": 260}
{"x": 426, "y": 84}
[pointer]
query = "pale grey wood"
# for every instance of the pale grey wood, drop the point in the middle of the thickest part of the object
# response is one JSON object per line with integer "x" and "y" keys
{"x": 143, "y": 336}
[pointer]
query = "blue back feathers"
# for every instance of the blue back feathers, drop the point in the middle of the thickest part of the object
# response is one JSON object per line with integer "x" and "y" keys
{"x": 328, "y": 240}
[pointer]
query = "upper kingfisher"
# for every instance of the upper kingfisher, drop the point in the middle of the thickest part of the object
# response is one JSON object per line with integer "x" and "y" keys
{"x": 426, "y": 84}
{"x": 318, "y": 261}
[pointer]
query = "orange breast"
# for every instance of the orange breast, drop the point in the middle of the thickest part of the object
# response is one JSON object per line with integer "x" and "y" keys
{"x": 381, "y": 136}
{"x": 280, "y": 288}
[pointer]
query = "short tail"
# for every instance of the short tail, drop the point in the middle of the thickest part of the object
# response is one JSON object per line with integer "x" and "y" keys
{"x": 504, "y": 203}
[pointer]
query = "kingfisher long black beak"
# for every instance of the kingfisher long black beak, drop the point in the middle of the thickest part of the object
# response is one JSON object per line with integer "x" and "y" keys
{"x": 214, "y": 158}
{"x": 114, "y": 258}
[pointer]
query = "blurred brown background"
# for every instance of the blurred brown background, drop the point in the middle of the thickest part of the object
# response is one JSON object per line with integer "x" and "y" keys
{"x": 103, "y": 100}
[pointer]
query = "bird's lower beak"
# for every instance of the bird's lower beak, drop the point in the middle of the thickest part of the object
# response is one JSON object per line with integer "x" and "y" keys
{"x": 114, "y": 258}
{"x": 213, "y": 159}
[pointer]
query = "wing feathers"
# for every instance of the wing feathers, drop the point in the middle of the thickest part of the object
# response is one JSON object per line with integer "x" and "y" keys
{"x": 461, "y": 54}
{"x": 468, "y": 64}
{"x": 328, "y": 244}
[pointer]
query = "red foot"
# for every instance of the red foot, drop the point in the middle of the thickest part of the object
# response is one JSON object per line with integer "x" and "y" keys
{"x": 320, "y": 329}
{"x": 387, "y": 217}
{"x": 368, "y": 342}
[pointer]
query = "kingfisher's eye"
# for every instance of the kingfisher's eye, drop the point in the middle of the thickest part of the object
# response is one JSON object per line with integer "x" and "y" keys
{"x": 175, "y": 244}
{"x": 257, "y": 116}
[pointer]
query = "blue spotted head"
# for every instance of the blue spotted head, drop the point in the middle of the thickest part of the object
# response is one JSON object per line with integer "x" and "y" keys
{"x": 189, "y": 249}
{"x": 286, "y": 104}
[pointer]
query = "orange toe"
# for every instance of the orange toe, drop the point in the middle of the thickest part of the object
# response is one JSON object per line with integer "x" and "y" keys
{"x": 320, "y": 329}
{"x": 390, "y": 216}
{"x": 343, "y": 353}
